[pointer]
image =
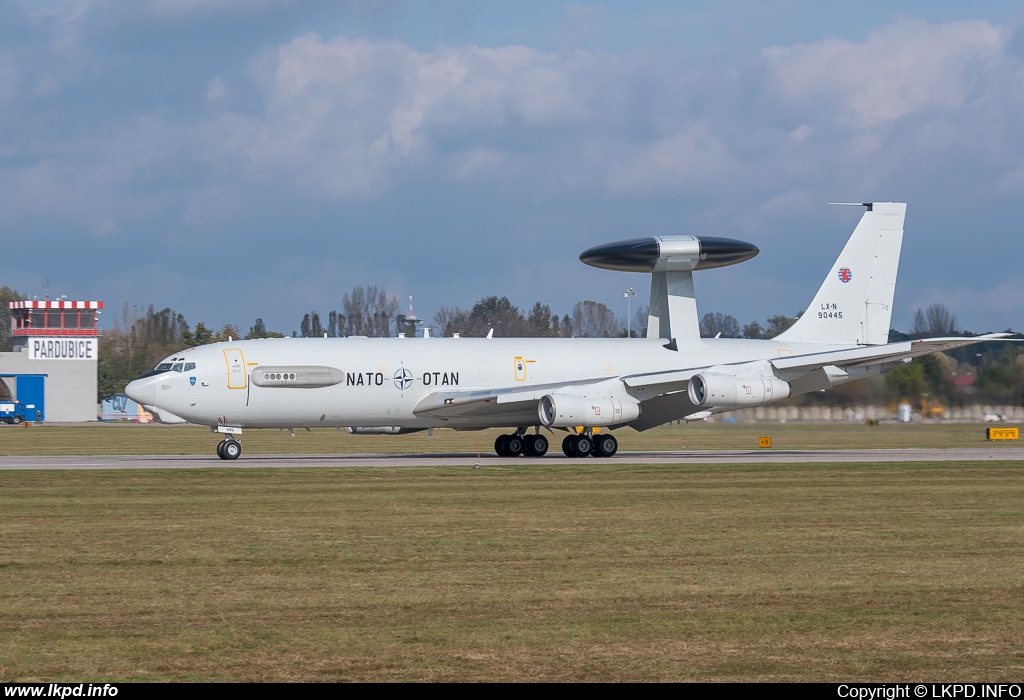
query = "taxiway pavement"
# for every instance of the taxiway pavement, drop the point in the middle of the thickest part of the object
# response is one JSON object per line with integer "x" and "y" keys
{"x": 471, "y": 460}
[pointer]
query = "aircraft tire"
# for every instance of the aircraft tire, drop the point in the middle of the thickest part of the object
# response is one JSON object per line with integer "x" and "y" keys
{"x": 567, "y": 445}
{"x": 606, "y": 446}
{"x": 581, "y": 446}
{"x": 232, "y": 449}
{"x": 514, "y": 446}
{"x": 220, "y": 449}
{"x": 501, "y": 446}
{"x": 528, "y": 446}
{"x": 537, "y": 446}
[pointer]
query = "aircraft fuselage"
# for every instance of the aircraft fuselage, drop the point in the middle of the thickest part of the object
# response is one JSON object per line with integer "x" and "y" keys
{"x": 387, "y": 381}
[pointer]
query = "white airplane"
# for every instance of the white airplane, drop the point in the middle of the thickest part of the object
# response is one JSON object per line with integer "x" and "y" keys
{"x": 402, "y": 385}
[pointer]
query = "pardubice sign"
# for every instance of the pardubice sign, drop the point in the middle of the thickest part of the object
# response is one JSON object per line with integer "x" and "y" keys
{"x": 62, "y": 349}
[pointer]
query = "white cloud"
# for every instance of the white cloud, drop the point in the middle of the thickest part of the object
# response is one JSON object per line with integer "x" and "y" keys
{"x": 801, "y": 133}
{"x": 216, "y": 90}
{"x": 900, "y": 69}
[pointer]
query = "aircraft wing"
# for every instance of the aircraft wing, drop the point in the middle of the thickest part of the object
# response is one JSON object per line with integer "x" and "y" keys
{"x": 878, "y": 354}
{"x": 805, "y": 372}
{"x": 657, "y": 383}
{"x": 492, "y": 402}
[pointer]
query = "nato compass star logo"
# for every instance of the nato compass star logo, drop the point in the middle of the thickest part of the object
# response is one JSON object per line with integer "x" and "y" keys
{"x": 403, "y": 378}
{"x": 845, "y": 275}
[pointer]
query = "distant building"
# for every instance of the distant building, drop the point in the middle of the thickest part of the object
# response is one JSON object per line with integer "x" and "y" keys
{"x": 60, "y": 341}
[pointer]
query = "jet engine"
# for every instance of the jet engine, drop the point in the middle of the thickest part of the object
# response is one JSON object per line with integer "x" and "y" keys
{"x": 711, "y": 389}
{"x": 565, "y": 410}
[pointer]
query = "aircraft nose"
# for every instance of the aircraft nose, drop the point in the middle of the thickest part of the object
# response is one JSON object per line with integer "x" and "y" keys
{"x": 142, "y": 391}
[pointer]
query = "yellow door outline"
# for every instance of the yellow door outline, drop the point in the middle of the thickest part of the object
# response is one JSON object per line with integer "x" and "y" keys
{"x": 238, "y": 378}
{"x": 519, "y": 365}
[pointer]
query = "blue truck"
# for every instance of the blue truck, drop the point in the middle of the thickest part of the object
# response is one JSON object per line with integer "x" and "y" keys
{"x": 28, "y": 401}
{"x": 12, "y": 412}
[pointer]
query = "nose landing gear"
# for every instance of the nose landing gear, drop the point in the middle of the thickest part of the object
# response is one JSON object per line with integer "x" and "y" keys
{"x": 229, "y": 448}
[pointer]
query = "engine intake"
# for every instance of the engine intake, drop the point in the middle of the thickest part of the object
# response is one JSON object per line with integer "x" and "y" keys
{"x": 711, "y": 389}
{"x": 566, "y": 410}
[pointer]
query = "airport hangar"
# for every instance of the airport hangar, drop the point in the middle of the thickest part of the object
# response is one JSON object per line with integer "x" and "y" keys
{"x": 55, "y": 350}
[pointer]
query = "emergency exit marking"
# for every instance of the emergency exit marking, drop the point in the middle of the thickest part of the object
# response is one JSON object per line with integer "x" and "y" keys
{"x": 764, "y": 441}
{"x": 1002, "y": 433}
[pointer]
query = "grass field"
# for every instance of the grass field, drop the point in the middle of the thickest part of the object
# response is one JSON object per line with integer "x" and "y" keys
{"x": 582, "y": 572}
{"x": 126, "y": 438}
{"x": 596, "y": 570}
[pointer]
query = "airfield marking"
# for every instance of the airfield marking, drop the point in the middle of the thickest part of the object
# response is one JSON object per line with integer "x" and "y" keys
{"x": 470, "y": 459}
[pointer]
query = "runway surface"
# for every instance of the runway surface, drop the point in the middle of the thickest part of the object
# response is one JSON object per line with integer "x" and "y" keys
{"x": 470, "y": 459}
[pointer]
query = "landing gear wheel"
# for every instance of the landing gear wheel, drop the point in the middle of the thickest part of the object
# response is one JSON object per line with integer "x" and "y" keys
{"x": 577, "y": 445}
{"x": 220, "y": 450}
{"x": 232, "y": 449}
{"x": 501, "y": 446}
{"x": 514, "y": 445}
{"x": 567, "y": 445}
{"x": 581, "y": 446}
{"x": 535, "y": 445}
{"x": 606, "y": 446}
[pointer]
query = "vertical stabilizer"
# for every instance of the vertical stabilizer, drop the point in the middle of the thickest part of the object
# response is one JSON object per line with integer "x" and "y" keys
{"x": 854, "y": 303}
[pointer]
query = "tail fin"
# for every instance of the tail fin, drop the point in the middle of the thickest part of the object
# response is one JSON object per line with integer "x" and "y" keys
{"x": 854, "y": 303}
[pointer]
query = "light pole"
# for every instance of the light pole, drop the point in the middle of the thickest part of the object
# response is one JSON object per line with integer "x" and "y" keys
{"x": 629, "y": 294}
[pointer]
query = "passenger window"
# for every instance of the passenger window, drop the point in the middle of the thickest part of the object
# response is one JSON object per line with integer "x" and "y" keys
{"x": 189, "y": 366}
{"x": 176, "y": 368}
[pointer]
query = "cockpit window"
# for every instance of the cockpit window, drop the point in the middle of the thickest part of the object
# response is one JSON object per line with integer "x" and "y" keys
{"x": 176, "y": 367}
{"x": 189, "y": 366}
{"x": 164, "y": 366}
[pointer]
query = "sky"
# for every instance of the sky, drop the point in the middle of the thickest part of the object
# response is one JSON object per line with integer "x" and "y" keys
{"x": 235, "y": 159}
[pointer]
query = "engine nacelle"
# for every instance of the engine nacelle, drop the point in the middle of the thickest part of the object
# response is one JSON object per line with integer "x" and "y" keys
{"x": 710, "y": 389}
{"x": 567, "y": 410}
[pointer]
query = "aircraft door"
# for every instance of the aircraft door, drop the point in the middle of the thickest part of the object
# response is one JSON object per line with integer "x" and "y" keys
{"x": 520, "y": 369}
{"x": 237, "y": 378}
{"x": 520, "y": 366}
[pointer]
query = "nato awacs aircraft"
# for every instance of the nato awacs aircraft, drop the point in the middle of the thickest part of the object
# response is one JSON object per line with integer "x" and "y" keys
{"x": 402, "y": 385}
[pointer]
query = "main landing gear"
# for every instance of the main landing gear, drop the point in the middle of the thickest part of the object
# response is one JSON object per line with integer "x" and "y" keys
{"x": 229, "y": 448}
{"x": 584, "y": 445}
{"x": 536, "y": 445}
{"x": 519, "y": 443}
